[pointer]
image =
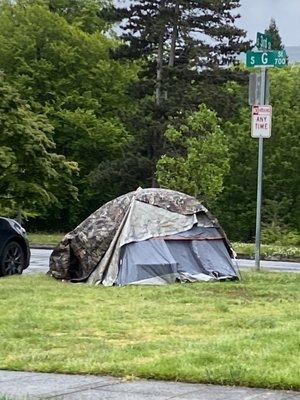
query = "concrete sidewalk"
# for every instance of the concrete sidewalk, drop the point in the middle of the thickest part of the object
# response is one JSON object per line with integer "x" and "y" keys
{"x": 28, "y": 385}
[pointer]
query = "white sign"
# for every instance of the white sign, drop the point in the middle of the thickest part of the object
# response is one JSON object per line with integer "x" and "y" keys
{"x": 261, "y": 122}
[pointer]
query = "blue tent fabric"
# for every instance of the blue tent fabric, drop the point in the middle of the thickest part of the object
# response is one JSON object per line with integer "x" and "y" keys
{"x": 208, "y": 257}
{"x": 147, "y": 260}
{"x": 174, "y": 258}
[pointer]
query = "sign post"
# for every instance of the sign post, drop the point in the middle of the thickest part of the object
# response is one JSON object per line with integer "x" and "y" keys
{"x": 264, "y": 58}
{"x": 260, "y": 177}
{"x": 255, "y": 88}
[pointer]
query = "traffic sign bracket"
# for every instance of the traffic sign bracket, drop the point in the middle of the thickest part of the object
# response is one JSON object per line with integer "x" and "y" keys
{"x": 256, "y": 87}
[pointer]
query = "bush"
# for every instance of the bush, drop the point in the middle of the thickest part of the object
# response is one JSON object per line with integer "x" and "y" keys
{"x": 280, "y": 235}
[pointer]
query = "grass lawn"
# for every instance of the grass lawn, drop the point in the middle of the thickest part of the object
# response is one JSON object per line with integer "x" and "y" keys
{"x": 236, "y": 333}
{"x": 45, "y": 238}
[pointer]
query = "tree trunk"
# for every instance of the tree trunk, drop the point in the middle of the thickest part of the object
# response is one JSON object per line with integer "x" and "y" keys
{"x": 159, "y": 71}
{"x": 174, "y": 36}
{"x": 19, "y": 216}
{"x": 158, "y": 99}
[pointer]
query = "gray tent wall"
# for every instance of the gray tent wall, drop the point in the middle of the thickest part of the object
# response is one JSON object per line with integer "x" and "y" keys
{"x": 198, "y": 254}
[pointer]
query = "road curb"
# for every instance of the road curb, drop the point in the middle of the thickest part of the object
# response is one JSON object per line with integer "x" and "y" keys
{"x": 36, "y": 246}
{"x": 268, "y": 258}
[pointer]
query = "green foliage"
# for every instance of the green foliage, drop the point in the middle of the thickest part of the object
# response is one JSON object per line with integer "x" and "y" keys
{"x": 280, "y": 235}
{"x": 32, "y": 175}
{"x": 85, "y": 14}
{"x": 170, "y": 38}
{"x": 273, "y": 31}
{"x": 65, "y": 70}
{"x": 76, "y": 80}
{"x": 268, "y": 251}
{"x": 201, "y": 168}
{"x": 146, "y": 22}
{"x": 236, "y": 206}
{"x": 282, "y": 178}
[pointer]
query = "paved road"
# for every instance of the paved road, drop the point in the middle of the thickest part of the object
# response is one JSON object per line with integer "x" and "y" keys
{"x": 271, "y": 265}
{"x": 40, "y": 262}
{"x": 29, "y": 386}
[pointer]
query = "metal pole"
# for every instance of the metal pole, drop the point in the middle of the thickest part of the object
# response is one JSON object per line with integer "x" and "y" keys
{"x": 260, "y": 176}
{"x": 259, "y": 201}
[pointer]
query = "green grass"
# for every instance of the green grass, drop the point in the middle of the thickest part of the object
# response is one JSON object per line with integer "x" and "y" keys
{"x": 51, "y": 239}
{"x": 235, "y": 333}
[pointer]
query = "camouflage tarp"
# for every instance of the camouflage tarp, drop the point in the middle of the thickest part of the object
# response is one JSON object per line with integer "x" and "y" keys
{"x": 83, "y": 249}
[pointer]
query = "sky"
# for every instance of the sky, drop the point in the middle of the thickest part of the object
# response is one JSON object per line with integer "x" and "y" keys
{"x": 256, "y": 16}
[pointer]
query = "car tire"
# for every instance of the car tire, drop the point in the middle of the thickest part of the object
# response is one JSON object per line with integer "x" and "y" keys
{"x": 12, "y": 259}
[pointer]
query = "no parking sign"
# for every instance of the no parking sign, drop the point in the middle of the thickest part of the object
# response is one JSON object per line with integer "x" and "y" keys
{"x": 261, "y": 122}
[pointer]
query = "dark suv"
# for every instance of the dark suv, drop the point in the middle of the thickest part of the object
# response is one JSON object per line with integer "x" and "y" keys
{"x": 14, "y": 247}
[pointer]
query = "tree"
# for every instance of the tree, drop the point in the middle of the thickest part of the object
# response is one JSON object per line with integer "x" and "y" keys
{"x": 236, "y": 205}
{"x": 182, "y": 44}
{"x": 32, "y": 176}
{"x": 282, "y": 179}
{"x": 204, "y": 159}
{"x": 171, "y": 34}
{"x": 273, "y": 31}
{"x": 68, "y": 74}
{"x": 85, "y": 14}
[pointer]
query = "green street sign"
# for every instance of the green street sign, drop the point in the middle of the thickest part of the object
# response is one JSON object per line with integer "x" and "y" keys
{"x": 263, "y": 41}
{"x": 274, "y": 58}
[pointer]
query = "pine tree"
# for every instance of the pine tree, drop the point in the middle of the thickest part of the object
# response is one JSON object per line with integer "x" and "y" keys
{"x": 182, "y": 34}
{"x": 273, "y": 31}
{"x": 183, "y": 44}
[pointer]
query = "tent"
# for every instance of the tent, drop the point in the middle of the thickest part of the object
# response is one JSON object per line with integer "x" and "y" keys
{"x": 151, "y": 236}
